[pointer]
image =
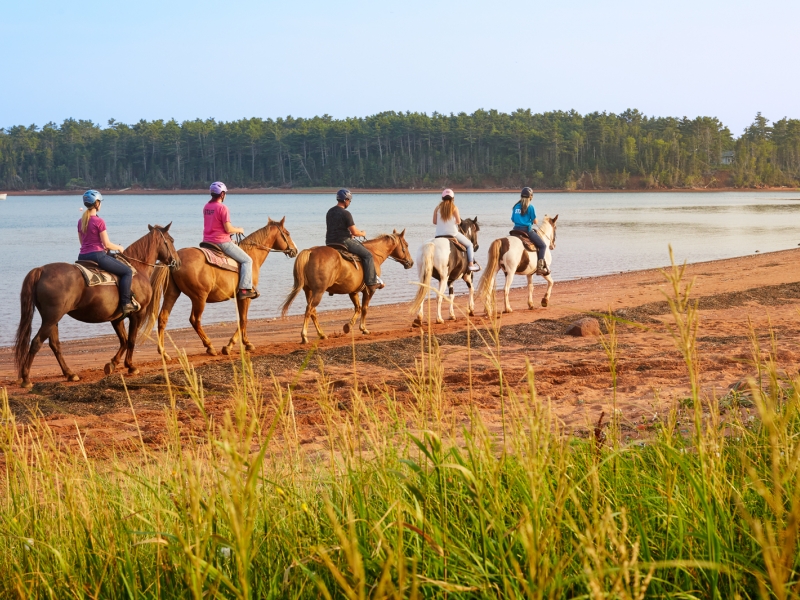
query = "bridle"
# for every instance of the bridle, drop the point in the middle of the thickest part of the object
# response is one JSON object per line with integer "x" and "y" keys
{"x": 287, "y": 251}
{"x": 407, "y": 262}
{"x": 550, "y": 242}
{"x": 173, "y": 260}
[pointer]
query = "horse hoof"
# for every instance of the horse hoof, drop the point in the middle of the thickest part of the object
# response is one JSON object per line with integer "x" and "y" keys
{"x": 226, "y": 350}
{"x": 544, "y": 302}
{"x": 73, "y": 377}
{"x": 26, "y": 385}
{"x": 365, "y": 332}
{"x": 439, "y": 321}
{"x": 417, "y": 322}
{"x": 249, "y": 347}
{"x": 133, "y": 371}
{"x": 166, "y": 357}
{"x": 471, "y": 313}
{"x": 303, "y": 341}
{"x": 109, "y": 368}
{"x": 508, "y": 311}
{"x": 346, "y": 327}
{"x": 322, "y": 336}
{"x": 210, "y": 351}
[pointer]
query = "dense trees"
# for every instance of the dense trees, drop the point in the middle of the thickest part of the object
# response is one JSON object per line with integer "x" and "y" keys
{"x": 484, "y": 149}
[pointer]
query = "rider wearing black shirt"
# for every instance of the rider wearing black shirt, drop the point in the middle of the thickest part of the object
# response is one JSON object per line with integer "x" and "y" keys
{"x": 341, "y": 229}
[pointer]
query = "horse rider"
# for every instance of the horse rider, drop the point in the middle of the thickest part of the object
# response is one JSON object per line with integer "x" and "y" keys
{"x": 93, "y": 237}
{"x": 523, "y": 216}
{"x": 217, "y": 229}
{"x": 341, "y": 230}
{"x": 447, "y": 219}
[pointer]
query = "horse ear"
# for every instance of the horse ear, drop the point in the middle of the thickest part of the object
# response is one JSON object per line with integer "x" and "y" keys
{"x": 554, "y": 219}
{"x": 166, "y": 229}
{"x": 394, "y": 231}
{"x": 283, "y": 220}
{"x": 150, "y": 228}
{"x": 403, "y": 233}
{"x": 475, "y": 220}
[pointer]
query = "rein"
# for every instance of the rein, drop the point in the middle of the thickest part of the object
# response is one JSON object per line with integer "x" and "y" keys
{"x": 287, "y": 251}
{"x": 397, "y": 260}
{"x": 172, "y": 263}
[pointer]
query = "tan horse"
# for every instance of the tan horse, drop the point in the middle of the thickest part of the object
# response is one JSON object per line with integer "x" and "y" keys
{"x": 205, "y": 283}
{"x": 322, "y": 269}
{"x": 58, "y": 289}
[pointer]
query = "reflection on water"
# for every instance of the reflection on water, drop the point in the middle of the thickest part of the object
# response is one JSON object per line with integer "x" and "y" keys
{"x": 598, "y": 233}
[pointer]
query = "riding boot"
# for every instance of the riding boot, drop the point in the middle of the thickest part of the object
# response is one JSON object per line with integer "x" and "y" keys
{"x": 541, "y": 268}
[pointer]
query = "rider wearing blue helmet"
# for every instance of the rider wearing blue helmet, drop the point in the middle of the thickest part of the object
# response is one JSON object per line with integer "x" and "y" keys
{"x": 524, "y": 218}
{"x": 341, "y": 230}
{"x": 95, "y": 243}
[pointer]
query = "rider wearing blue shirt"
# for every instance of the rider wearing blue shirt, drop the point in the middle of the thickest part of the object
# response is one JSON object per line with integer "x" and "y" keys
{"x": 523, "y": 216}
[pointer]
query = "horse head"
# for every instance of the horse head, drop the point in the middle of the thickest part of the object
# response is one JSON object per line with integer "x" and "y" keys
{"x": 165, "y": 245}
{"x": 552, "y": 222}
{"x": 470, "y": 228}
{"x": 401, "y": 252}
{"x": 283, "y": 240}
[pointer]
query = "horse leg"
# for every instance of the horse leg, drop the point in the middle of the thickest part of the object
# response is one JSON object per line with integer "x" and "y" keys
{"x": 170, "y": 297}
{"x": 306, "y": 317}
{"x": 364, "y": 305}
{"x": 55, "y": 346}
{"x": 242, "y": 306}
{"x": 439, "y": 297}
{"x": 451, "y": 298}
{"x": 119, "y": 329}
{"x": 357, "y": 304}
{"x": 134, "y": 322}
{"x": 471, "y": 303}
{"x": 198, "y": 306}
{"x": 36, "y": 344}
{"x": 507, "y": 290}
{"x": 546, "y": 298}
{"x": 316, "y": 298}
{"x": 530, "y": 292}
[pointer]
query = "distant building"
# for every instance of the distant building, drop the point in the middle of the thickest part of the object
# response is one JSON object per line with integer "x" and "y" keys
{"x": 727, "y": 157}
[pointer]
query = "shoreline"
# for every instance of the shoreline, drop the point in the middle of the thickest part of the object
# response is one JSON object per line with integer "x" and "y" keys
{"x": 264, "y": 191}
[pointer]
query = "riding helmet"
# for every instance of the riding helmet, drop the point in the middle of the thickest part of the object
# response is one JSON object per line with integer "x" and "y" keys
{"x": 90, "y": 197}
{"x": 343, "y": 194}
{"x": 526, "y": 192}
{"x": 217, "y": 188}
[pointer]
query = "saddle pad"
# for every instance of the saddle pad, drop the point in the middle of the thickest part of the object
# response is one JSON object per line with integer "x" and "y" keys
{"x": 96, "y": 276}
{"x": 523, "y": 237}
{"x": 221, "y": 261}
{"x": 346, "y": 254}
{"x": 454, "y": 241}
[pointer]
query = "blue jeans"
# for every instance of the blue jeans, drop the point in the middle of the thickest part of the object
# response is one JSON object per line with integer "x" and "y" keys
{"x": 536, "y": 240}
{"x": 467, "y": 244}
{"x": 357, "y": 248}
{"x": 245, "y": 264}
{"x": 112, "y": 265}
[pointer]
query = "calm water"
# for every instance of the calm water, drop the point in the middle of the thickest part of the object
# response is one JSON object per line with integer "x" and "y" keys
{"x": 597, "y": 234}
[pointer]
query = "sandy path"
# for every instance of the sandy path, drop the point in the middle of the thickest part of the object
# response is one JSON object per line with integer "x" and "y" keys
{"x": 573, "y": 372}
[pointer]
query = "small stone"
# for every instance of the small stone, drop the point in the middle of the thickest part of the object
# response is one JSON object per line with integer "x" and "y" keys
{"x": 584, "y": 327}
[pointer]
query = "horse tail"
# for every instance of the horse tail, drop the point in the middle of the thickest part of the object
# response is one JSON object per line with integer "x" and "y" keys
{"x": 27, "y": 306}
{"x": 486, "y": 284}
{"x": 425, "y": 273}
{"x": 159, "y": 280}
{"x": 299, "y": 280}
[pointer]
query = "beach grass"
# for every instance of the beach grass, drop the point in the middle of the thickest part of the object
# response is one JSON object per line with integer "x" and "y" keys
{"x": 417, "y": 499}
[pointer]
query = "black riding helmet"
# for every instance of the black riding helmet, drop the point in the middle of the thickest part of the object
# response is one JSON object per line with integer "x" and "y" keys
{"x": 526, "y": 192}
{"x": 343, "y": 194}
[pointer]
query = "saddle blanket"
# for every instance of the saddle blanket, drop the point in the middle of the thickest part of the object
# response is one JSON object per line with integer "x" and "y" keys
{"x": 523, "y": 237}
{"x": 346, "y": 254}
{"x": 222, "y": 261}
{"x": 454, "y": 241}
{"x": 94, "y": 275}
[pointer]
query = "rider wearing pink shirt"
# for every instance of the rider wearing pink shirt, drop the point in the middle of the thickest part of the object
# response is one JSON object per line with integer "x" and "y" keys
{"x": 217, "y": 229}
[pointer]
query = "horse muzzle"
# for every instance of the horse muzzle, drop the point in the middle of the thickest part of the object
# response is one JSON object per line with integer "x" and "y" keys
{"x": 291, "y": 252}
{"x": 409, "y": 264}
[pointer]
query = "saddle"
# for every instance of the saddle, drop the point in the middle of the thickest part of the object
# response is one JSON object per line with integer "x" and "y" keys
{"x": 346, "y": 254}
{"x": 523, "y": 237}
{"x": 458, "y": 245}
{"x": 93, "y": 275}
{"x": 217, "y": 258}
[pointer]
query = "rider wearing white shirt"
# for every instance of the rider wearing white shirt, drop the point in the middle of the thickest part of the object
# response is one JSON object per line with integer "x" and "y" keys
{"x": 447, "y": 219}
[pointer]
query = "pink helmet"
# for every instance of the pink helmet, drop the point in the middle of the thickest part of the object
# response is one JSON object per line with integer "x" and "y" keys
{"x": 217, "y": 188}
{"x": 448, "y": 192}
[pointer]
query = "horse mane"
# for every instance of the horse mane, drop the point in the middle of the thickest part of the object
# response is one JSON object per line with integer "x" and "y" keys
{"x": 259, "y": 236}
{"x": 144, "y": 245}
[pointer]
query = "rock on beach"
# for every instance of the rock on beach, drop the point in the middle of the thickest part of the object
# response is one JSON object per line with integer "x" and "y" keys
{"x": 584, "y": 327}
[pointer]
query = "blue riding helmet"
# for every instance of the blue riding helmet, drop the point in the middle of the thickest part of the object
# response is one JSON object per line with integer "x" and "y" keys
{"x": 343, "y": 194}
{"x": 90, "y": 197}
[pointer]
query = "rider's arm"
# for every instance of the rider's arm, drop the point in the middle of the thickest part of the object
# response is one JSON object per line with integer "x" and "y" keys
{"x": 356, "y": 231}
{"x": 108, "y": 244}
{"x": 231, "y": 229}
{"x": 435, "y": 213}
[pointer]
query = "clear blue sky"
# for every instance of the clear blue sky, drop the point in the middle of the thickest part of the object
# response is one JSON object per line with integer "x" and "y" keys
{"x": 229, "y": 59}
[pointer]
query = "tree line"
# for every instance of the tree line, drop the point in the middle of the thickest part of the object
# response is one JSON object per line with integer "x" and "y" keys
{"x": 405, "y": 150}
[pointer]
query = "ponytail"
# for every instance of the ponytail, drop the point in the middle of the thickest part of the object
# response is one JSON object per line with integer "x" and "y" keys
{"x": 87, "y": 214}
{"x": 524, "y": 203}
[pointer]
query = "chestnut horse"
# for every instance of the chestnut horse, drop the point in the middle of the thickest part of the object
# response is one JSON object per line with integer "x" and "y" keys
{"x": 322, "y": 269}
{"x": 58, "y": 289}
{"x": 510, "y": 255}
{"x": 204, "y": 283}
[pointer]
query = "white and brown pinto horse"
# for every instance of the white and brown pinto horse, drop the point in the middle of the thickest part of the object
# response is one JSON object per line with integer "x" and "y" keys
{"x": 437, "y": 260}
{"x": 509, "y": 254}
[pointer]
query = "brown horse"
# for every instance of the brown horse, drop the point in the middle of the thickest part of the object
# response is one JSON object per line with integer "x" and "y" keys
{"x": 205, "y": 283}
{"x": 58, "y": 289}
{"x": 322, "y": 269}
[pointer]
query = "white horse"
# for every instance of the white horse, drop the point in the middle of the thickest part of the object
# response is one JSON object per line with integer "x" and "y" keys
{"x": 436, "y": 261}
{"x": 509, "y": 254}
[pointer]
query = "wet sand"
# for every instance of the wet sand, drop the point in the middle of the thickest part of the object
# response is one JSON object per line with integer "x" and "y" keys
{"x": 762, "y": 289}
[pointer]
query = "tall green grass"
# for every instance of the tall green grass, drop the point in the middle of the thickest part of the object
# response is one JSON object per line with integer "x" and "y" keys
{"x": 404, "y": 502}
